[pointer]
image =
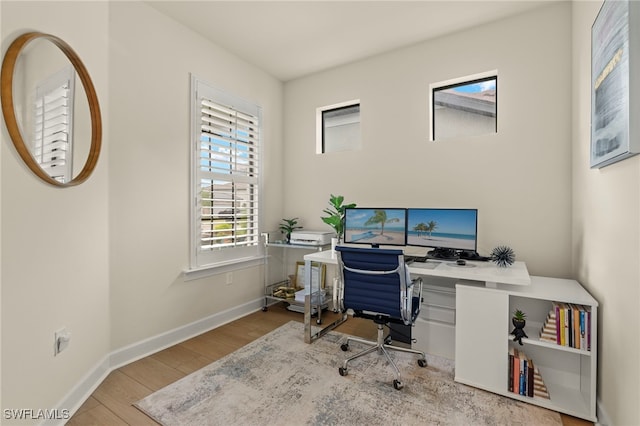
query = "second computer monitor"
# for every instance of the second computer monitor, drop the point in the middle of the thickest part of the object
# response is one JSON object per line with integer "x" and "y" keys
{"x": 454, "y": 229}
{"x": 375, "y": 226}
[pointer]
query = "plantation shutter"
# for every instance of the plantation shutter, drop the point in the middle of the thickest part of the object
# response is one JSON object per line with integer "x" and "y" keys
{"x": 228, "y": 169}
{"x": 53, "y": 129}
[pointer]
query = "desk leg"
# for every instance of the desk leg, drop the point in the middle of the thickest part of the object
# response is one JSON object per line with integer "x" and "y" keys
{"x": 307, "y": 318}
{"x": 309, "y": 336}
{"x": 308, "y": 309}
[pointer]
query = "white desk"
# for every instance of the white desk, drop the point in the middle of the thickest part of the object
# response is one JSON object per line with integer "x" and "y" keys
{"x": 487, "y": 272}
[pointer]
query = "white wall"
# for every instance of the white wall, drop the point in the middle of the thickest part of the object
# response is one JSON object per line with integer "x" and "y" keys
{"x": 121, "y": 237}
{"x": 606, "y": 240}
{"x": 149, "y": 77}
{"x": 54, "y": 241}
{"x": 123, "y": 282}
{"x": 519, "y": 178}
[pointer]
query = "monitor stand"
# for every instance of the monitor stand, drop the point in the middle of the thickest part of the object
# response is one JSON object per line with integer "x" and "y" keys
{"x": 441, "y": 253}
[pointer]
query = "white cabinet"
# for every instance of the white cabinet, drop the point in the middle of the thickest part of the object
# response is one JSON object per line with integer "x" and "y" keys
{"x": 482, "y": 342}
{"x": 435, "y": 327}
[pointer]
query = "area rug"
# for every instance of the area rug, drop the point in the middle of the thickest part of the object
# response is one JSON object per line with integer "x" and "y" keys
{"x": 280, "y": 380}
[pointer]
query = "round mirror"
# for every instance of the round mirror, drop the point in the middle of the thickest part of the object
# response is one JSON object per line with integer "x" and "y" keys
{"x": 53, "y": 121}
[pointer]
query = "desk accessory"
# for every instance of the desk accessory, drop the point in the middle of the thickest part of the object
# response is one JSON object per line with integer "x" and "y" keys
{"x": 519, "y": 321}
{"x": 287, "y": 226}
{"x": 503, "y": 256}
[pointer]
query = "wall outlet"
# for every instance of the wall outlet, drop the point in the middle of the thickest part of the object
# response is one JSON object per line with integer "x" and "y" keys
{"x": 61, "y": 339}
{"x": 229, "y": 278}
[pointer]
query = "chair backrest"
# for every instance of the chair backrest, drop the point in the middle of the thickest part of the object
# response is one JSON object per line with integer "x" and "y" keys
{"x": 374, "y": 281}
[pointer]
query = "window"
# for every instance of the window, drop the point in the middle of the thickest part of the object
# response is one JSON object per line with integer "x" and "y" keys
{"x": 226, "y": 177}
{"x": 53, "y": 127}
{"x": 464, "y": 107}
{"x": 338, "y": 127}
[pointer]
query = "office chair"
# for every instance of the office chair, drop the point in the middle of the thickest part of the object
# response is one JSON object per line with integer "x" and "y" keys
{"x": 376, "y": 285}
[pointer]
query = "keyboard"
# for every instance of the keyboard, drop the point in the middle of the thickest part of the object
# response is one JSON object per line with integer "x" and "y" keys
{"x": 412, "y": 259}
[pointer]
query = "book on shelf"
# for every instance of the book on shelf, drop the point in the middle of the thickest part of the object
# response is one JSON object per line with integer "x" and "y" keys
{"x": 575, "y": 331}
{"x": 530, "y": 378}
{"x": 514, "y": 370}
{"x": 567, "y": 324}
{"x": 510, "y": 367}
{"x": 570, "y": 323}
{"x": 587, "y": 321}
{"x": 523, "y": 376}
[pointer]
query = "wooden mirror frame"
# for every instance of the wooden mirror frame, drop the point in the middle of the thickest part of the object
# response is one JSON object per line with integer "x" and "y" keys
{"x": 8, "y": 110}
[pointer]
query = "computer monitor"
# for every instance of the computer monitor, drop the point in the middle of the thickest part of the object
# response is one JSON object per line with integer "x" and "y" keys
{"x": 447, "y": 231}
{"x": 375, "y": 226}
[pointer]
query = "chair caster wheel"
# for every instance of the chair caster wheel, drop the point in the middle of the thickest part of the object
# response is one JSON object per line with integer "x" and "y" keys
{"x": 318, "y": 322}
{"x": 344, "y": 347}
{"x": 265, "y": 309}
{"x": 342, "y": 371}
{"x": 422, "y": 362}
{"x": 397, "y": 384}
{"x": 387, "y": 340}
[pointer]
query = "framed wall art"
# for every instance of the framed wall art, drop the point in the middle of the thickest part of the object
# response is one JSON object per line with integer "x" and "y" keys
{"x": 615, "y": 39}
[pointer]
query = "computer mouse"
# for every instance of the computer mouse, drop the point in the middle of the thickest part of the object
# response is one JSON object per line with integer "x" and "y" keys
{"x": 461, "y": 262}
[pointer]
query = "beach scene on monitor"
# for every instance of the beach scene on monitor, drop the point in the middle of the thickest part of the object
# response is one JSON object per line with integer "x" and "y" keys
{"x": 375, "y": 226}
{"x": 455, "y": 229}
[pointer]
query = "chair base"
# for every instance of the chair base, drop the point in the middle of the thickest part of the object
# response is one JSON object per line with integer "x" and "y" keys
{"x": 381, "y": 347}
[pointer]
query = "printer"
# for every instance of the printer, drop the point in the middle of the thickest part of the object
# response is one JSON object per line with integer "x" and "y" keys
{"x": 311, "y": 238}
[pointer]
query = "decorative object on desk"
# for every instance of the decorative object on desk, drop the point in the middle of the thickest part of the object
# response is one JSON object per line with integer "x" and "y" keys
{"x": 335, "y": 213}
{"x": 280, "y": 379}
{"x": 519, "y": 321}
{"x": 287, "y": 226}
{"x": 503, "y": 256}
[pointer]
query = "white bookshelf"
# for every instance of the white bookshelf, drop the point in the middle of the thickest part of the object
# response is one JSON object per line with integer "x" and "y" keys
{"x": 482, "y": 341}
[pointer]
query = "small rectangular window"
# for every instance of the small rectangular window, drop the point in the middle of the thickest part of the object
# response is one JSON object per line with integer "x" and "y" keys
{"x": 464, "y": 107}
{"x": 338, "y": 127}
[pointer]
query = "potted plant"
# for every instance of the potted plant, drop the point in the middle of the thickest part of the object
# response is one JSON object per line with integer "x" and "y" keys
{"x": 519, "y": 321}
{"x": 287, "y": 226}
{"x": 335, "y": 213}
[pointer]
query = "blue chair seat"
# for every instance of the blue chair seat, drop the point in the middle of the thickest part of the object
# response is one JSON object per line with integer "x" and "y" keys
{"x": 376, "y": 285}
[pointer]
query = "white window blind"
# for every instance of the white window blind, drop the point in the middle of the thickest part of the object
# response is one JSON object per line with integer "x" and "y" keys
{"x": 53, "y": 128}
{"x": 227, "y": 178}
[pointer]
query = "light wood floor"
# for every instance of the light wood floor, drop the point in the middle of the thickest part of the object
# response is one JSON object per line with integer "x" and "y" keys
{"x": 111, "y": 403}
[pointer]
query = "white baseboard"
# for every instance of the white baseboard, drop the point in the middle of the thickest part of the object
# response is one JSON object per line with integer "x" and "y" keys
{"x": 120, "y": 357}
{"x": 116, "y": 359}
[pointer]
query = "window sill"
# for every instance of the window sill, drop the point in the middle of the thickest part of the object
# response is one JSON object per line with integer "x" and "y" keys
{"x": 221, "y": 268}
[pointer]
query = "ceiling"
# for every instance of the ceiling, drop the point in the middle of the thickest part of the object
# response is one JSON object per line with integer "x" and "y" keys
{"x": 291, "y": 39}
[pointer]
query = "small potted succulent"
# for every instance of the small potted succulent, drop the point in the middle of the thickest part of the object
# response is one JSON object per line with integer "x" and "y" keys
{"x": 519, "y": 321}
{"x": 287, "y": 226}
